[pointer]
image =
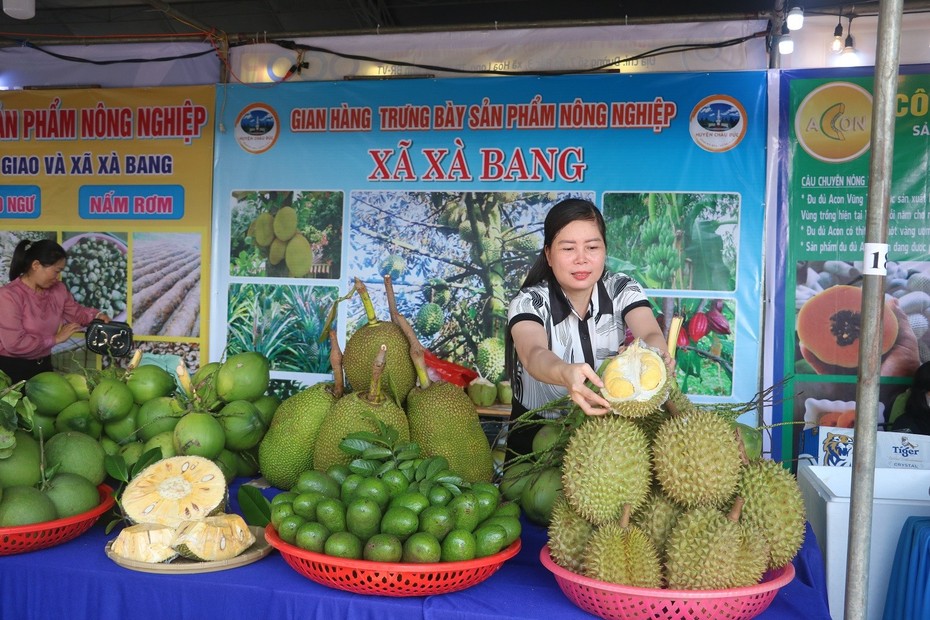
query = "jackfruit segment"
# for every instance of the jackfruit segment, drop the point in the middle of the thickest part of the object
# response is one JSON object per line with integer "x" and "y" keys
{"x": 176, "y": 489}
{"x": 221, "y": 537}
{"x": 145, "y": 542}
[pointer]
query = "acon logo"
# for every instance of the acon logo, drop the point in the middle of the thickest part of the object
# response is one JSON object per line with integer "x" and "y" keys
{"x": 257, "y": 128}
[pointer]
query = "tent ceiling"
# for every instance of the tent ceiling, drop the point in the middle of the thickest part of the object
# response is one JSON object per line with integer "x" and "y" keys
{"x": 63, "y": 19}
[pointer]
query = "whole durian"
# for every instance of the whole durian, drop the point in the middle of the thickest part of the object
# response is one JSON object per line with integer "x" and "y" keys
{"x": 656, "y": 517}
{"x": 568, "y": 535}
{"x": 774, "y": 507}
{"x": 697, "y": 459}
{"x": 623, "y": 554}
{"x": 605, "y": 466}
{"x": 635, "y": 381}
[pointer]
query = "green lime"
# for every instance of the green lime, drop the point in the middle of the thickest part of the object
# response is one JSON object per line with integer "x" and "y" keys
{"x": 312, "y": 536}
{"x": 439, "y": 495}
{"x": 331, "y": 513}
{"x": 489, "y": 539}
{"x": 305, "y": 504}
{"x": 507, "y": 509}
{"x": 343, "y": 545}
{"x": 486, "y": 487}
{"x": 399, "y": 521}
{"x": 437, "y": 520}
{"x": 511, "y": 525}
{"x": 396, "y": 481}
{"x": 283, "y": 498}
{"x": 374, "y": 489}
{"x": 347, "y": 488}
{"x": 458, "y": 545}
{"x": 279, "y": 512}
{"x": 487, "y": 504}
{"x": 383, "y": 548}
{"x": 413, "y": 500}
{"x": 288, "y": 526}
{"x": 363, "y": 517}
{"x": 321, "y": 482}
{"x": 338, "y": 472}
{"x": 464, "y": 511}
{"x": 422, "y": 548}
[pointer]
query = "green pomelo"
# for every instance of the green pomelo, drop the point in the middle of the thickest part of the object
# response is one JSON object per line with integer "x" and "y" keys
{"x": 247, "y": 463}
{"x": 263, "y": 229}
{"x": 285, "y": 223}
{"x": 79, "y": 383}
{"x": 76, "y": 453}
{"x": 78, "y": 417}
{"x": 287, "y": 448}
{"x": 298, "y": 256}
{"x": 22, "y": 505}
{"x": 125, "y": 429}
{"x": 21, "y": 468}
{"x": 131, "y": 452}
{"x": 539, "y": 495}
{"x": 164, "y": 441}
{"x": 149, "y": 381}
{"x": 546, "y": 438}
{"x": 515, "y": 479}
{"x": 111, "y": 400}
{"x": 199, "y": 434}
{"x": 228, "y": 464}
{"x": 72, "y": 494}
{"x": 158, "y": 416}
{"x": 242, "y": 424}
{"x": 50, "y": 392}
{"x": 204, "y": 384}
{"x": 243, "y": 376}
{"x": 266, "y": 405}
{"x": 43, "y": 426}
{"x": 110, "y": 447}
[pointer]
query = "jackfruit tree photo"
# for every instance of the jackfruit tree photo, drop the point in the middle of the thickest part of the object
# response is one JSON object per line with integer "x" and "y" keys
{"x": 286, "y": 234}
{"x": 455, "y": 259}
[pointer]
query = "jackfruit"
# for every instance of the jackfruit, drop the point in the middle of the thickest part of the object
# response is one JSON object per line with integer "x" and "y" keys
{"x": 145, "y": 542}
{"x": 176, "y": 489}
{"x": 263, "y": 229}
{"x": 285, "y": 223}
{"x": 220, "y": 537}
{"x": 298, "y": 256}
{"x": 287, "y": 447}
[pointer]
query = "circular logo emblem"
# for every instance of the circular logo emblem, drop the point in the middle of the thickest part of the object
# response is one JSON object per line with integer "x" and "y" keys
{"x": 257, "y": 128}
{"x": 718, "y": 123}
{"x": 834, "y": 122}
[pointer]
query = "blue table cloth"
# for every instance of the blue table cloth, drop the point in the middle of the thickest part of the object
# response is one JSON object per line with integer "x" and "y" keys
{"x": 76, "y": 581}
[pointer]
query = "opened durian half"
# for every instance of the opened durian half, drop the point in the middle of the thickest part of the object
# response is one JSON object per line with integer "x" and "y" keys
{"x": 635, "y": 381}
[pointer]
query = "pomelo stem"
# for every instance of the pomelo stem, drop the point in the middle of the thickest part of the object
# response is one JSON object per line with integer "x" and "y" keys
{"x": 335, "y": 359}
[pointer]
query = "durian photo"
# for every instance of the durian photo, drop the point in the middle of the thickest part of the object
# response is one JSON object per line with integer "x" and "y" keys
{"x": 286, "y": 234}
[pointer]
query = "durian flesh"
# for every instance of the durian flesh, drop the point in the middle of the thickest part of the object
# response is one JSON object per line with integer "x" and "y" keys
{"x": 636, "y": 381}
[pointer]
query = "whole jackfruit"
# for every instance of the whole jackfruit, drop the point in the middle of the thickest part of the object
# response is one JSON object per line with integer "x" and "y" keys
{"x": 263, "y": 229}
{"x": 286, "y": 449}
{"x": 298, "y": 256}
{"x": 569, "y": 533}
{"x": 285, "y": 223}
{"x": 623, "y": 554}
{"x": 774, "y": 507}
{"x": 605, "y": 466}
{"x": 697, "y": 459}
{"x": 636, "y": 381}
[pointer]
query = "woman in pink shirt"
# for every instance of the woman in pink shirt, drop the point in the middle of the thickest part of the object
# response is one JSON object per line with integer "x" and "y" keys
{"x": 37, "y": 311}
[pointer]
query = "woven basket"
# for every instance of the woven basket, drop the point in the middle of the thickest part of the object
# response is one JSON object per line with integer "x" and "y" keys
{"x": 388, "y": 578}
{"x": 23, "y": 538}
{"x": 618, "y": 602}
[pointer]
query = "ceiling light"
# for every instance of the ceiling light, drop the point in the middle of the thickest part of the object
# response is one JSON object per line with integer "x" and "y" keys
{"x": 837, "y": 44}
{"x": 785, "y": 43}
{"x": 849, "y": 47}
{"x": 20, "y": 9}
{"x": 795, "y": 18}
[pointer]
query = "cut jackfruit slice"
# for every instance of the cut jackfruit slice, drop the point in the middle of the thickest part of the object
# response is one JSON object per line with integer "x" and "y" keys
{"x": 220, "y": 537}
{"x": 176, "y": 489}
{"x": 145, "y": 542}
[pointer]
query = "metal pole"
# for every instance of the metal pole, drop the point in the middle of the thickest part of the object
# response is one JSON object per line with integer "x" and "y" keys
{"x": 873, "y": 297}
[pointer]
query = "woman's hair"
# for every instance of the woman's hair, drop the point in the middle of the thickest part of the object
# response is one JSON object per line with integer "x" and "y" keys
{"x": 560, "y": 215}
{"x": 917, "y": 399}
{"x": 46, "y": 251}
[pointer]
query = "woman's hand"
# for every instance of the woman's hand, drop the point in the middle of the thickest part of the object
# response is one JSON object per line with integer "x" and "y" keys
{"x": 574, "y": 378}
{"x": 66, "y": 331}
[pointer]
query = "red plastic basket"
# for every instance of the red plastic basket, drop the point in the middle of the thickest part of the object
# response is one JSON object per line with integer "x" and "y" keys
{"x": 23, "y": 538}
{"x": 388, "y": 578}
{"x": 618, "y": 602}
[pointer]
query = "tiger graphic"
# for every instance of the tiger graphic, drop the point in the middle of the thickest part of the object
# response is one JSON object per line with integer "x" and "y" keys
{"x": 837, "y": 449}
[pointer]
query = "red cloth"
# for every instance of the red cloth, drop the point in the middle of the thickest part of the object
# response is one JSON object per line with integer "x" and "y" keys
{"x": 30, "y": 319}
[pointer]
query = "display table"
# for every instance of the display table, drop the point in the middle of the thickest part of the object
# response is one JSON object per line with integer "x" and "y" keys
{"x": 77, "y": 581}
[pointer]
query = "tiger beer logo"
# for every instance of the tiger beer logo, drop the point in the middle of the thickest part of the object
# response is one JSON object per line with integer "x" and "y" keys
{"x": 834, "y": 122}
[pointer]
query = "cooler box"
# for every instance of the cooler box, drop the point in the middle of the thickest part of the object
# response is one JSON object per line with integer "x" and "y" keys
{"x": 898, "y": 495}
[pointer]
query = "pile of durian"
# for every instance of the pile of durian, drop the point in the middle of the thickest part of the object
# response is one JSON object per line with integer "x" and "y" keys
{"x": 662, "y": 493}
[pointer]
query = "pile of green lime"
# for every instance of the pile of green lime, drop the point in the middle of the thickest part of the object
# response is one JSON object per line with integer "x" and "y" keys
{"x": 416, "y": 514}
